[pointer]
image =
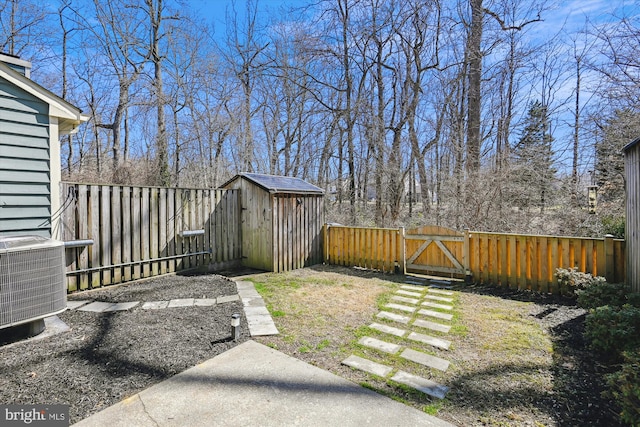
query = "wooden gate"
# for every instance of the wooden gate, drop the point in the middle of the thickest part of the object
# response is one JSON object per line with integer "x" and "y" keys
{"x": 436, "y": 250}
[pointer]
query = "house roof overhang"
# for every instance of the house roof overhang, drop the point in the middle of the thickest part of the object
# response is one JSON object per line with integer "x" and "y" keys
{"x": 69, "y": 116}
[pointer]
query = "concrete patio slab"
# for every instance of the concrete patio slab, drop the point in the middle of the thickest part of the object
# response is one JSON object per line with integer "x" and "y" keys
{"x": 252, "y": 384}
{"x": 438, "y": 298}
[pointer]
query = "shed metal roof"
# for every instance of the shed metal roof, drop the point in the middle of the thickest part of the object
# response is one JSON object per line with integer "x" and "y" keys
{"x": 631, "y": 144}
{"x": 279, "y": 184}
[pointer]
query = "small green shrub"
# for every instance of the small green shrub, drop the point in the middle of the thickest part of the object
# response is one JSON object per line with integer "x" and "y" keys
{"x": 624, "y": 388}
{"x": 612, "y": 330}
{"x": 603, "y": 293}
{"x": 570, "y": 280}
{"x": 613, "y": 225}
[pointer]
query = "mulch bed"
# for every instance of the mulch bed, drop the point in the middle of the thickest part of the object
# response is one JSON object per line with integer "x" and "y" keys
{"x": 106, "y": 357}
{"x": 578, "y": 372}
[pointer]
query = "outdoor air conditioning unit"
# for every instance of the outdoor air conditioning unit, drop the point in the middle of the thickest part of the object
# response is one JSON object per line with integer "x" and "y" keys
{"x": 32, "y": 282}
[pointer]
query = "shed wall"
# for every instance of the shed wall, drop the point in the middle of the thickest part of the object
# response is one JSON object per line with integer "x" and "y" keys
{"x": 297, "y": 234}
{"x": 632, "y": 232}
{"x": 25, "y": 172}
{"x": 256, "y": 226}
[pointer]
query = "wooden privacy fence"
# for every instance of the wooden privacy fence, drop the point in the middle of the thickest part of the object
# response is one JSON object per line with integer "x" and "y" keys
{"x": 140, "y": 232}
{"x": 529, "y": 261}
{"x": 513, "y": 260}
{"x": 374, "y": 248}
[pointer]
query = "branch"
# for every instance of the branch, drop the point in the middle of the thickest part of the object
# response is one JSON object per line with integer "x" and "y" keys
{"x": 512, "y": 27}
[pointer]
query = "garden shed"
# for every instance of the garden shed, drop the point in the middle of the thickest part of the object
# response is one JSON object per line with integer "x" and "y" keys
{"x": 31, "y": 121}
{"x": 632, "y": 229}
{"x": 281, "y": 221}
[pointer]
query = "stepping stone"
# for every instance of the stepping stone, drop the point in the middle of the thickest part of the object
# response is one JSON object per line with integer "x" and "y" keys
{"x": 387, "y": 347}
{"x": 428, "y": 339}
{"x": 425, "y": 359}
{"x": 96, "y": 306}
{"x": 439, "y": 292}
{"x": 229, "y": 298}
{"x": 405, "y": 299}
{"x": 421, "y": 384}
{"x": 261, "y": 325}
{"x": 388, "y": 329}
{"x": 204, "y": 302}
{"x": 121, "y": 306}
{"x": 407, "y": 293}
{"x": 71, "y": 305}
{"x": 367, "y": 366}
{"x": 432, "y": 325}
{"x": 392, "y": 316}
{"x": 256, "y": 311}
{"x": 401, "y": 307}
{"x": 415, "y": 281}
{"x": 436, "y": 314}
{"x": 244, "y": 285}
{"x": 181, "y": 302}
{"x": 435, "y": 305}
{"x": 412, "y": 288}
{"x": 437, "y": 298}
{"x": 155, "y": 305}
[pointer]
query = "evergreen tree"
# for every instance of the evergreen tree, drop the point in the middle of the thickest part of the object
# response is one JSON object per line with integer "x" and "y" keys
{"x": 617, "y": 131}
{"x": 533, "y": 169}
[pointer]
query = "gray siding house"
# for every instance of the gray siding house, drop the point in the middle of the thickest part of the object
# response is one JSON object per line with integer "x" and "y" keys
{"x": 31, "y": 121}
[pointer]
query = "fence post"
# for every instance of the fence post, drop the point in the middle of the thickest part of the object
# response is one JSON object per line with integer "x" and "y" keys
{"x": 325, "y": 242}
{"x": 466, "y": 257}
{"x": 403, "y": 252}
{"x": 609, "y": 260}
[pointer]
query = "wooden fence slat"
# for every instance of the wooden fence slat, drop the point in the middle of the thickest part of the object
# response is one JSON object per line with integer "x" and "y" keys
{"x": 83, "y": 232}
{"x": 171, "y": 229}
{"x": 94, "y": 216}
{"x": 136, "y": 247}
{"x": 126, "y": 233}
{"x": 154, "y": 232}
{"x": 116, "y": 233}
{"x": 105, "y": 233}
{"x": 68, "y": 223}
{"x": 145, "y": 230}
{"x": 162, "y": 229}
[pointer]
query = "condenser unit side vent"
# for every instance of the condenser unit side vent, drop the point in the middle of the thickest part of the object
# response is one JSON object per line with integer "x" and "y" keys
{"x": 32, "y": 279}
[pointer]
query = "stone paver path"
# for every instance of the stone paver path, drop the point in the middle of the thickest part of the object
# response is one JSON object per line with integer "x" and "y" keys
{"x": 413, "y": 309}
